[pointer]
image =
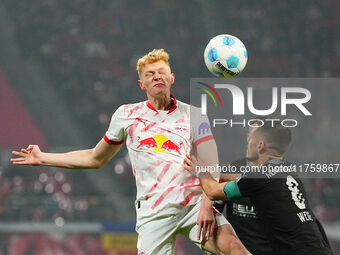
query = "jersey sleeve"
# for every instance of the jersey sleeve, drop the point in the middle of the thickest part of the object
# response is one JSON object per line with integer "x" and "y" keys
{"x": 248, "y": 185}
{"x": 116, "y": 133}
{"x": 200, "y": 127}
{"x": 244, "y": 186}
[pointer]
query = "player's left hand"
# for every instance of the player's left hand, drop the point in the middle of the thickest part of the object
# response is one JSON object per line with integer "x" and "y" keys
{"x": 187, "y": 163}
{"x": 205, "y": 221}
{"x": 191, "y": 163}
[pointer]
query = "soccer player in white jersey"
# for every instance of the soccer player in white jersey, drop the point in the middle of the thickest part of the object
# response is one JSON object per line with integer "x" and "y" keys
{"x": 158, "y": 135}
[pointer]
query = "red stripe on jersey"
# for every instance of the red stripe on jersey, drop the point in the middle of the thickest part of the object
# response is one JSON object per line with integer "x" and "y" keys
{"x": 191, "y": 186}
{"x": 181, "y": 120}
{"x": 155, "y": 164}
{"x": 112, "y": 142}
{"x": 164, "y": 171}
{"x": 159, "y": 178}
{"x": 134, "y": 125}
{"x": 203, "y": 139}
{"x": 186, "y": 187}
{"x": 126, "y": 107}
{"x": 176, "y": 175}
{"x": 149, "y": 192}
{"x": 187, "y": 199}
{"x": 150, "y": 106}
{"x": 140, "y": 120}
{"x": 190, "y": 183}
{"x": 161, "y": 198}
{"x": 135, "y": 109}
{"x": 148, "y": 127}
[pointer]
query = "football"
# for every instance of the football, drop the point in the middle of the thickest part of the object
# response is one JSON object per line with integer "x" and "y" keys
{"x": 225, "y": 56}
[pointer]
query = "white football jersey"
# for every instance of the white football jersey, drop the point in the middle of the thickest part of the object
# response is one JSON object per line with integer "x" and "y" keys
{"x": 157, "y": 143}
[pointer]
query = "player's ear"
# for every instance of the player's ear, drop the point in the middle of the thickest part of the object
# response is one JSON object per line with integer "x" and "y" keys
{"x": 261, "y": 147}
{"x": 141, "y": 85}
{"x": 172, "y": 78}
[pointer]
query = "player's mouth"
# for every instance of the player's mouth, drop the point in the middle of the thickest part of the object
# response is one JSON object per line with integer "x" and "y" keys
{"x": 159, "y": 84}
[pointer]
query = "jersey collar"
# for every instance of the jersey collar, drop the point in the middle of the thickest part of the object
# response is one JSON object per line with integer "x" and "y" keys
{"x": 274, "y": 161}
{"x": 173, "y": 107}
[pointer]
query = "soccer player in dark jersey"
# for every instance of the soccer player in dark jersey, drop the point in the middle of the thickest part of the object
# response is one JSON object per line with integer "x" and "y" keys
{"x": 275, "y": 191}
{"x": 242, "y": 215}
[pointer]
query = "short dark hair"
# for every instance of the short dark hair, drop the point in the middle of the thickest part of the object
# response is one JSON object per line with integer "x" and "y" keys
{"x": 276, "y": 136}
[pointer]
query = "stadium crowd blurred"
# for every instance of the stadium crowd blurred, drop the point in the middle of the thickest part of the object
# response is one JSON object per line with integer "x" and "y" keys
{"x": 88, "y": 49}
{"x": 49, "y": 195}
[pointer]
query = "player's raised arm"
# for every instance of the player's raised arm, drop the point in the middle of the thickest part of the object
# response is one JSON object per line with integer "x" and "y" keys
{"x": 82, "y": 159}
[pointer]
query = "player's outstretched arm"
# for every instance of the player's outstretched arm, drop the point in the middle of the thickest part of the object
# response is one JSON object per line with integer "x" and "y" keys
{"x": 82, "y": 159}
{"x": 213, "y": 189}
{"x": 207, "y": 151}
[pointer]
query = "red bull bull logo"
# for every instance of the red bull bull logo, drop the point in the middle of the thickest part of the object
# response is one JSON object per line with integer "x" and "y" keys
{"x": 159, "y": 143}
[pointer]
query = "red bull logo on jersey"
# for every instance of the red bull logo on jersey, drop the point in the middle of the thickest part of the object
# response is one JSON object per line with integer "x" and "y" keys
{"x": 159, "y": 143}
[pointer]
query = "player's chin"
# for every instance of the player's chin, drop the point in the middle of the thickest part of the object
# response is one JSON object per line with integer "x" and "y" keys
{"x": 159, "y": 91}
{"x": 251, "y": 158}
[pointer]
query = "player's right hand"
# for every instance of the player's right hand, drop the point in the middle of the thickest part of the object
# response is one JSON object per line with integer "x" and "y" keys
{"x": 28, "y": 156}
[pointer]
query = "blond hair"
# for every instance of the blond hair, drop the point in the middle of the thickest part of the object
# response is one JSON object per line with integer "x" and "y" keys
{"x": 152, "y": 57}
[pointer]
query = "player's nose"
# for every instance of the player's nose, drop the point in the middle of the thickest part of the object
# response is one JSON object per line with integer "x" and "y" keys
{"x": 156, "y": 76}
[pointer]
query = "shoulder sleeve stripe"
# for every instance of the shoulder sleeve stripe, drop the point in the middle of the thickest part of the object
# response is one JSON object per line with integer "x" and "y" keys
{"x": 203, "y": 139}
{"x": 112, "y": 142}
{"x": 231, "y": 190}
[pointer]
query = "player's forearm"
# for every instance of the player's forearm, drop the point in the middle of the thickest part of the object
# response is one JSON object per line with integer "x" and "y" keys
{"x": 211, "y": 187}
{"x": 82, "y": 159}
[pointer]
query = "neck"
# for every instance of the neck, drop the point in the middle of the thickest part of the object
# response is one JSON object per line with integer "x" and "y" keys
{"x": 163, "y": 102}
{"x": 263, "y": 158}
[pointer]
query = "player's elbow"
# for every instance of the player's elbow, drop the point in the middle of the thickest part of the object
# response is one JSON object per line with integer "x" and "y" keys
{"x": 214, "y": 193}
{"x": 97, "y": 164}
{"x": 211, "y": 193}
{"x": 212, "y": 196}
